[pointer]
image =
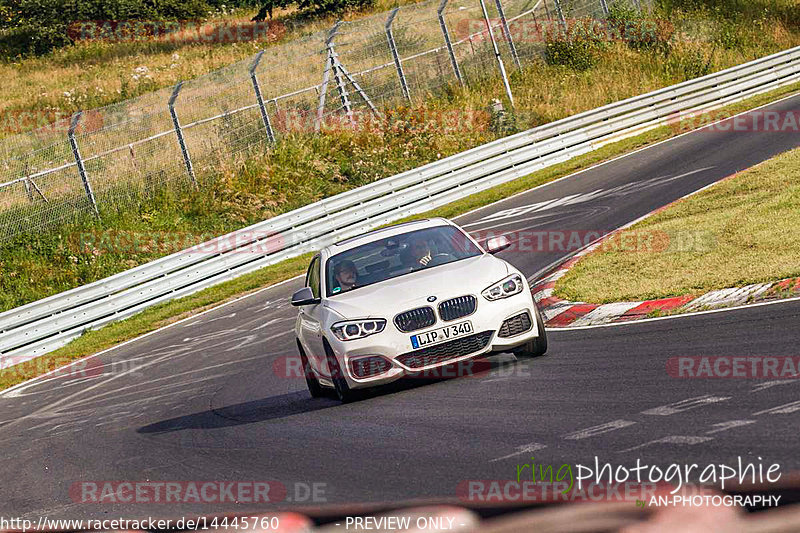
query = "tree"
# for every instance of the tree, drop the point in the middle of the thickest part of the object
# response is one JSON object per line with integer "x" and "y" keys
{"x": 310, "y": 6}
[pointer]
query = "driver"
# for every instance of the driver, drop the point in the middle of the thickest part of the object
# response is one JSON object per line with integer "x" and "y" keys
{"x": 420, "y": 252}
{"x": 346, "y": 275}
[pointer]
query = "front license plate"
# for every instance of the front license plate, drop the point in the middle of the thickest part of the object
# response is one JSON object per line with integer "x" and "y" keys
{"x": 446, "y": 333}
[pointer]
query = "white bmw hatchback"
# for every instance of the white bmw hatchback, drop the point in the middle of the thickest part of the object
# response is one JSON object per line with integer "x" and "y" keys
{"x": 407, "y": 299}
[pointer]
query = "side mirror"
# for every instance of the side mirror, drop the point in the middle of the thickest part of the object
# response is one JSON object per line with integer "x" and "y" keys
{"x": 497, "y": 244}
{"x": 304, "y": 297}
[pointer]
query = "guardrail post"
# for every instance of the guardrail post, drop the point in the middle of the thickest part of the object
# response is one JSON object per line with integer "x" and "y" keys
{"x": 561, "y": 18}
{"x": 604, "y": 5}
{"x": 87, "y": 186}
{"x": 507, "y": 33}
{"x": 181, "y": 141}
{"x": 393, "y": 47}
{"x": 446, "y": 33}
{"x": 497, "y": 53}
{"x": 259, "y": 98}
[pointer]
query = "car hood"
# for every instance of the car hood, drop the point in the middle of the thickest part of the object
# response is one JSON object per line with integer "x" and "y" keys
{"x": 387, "y": 298}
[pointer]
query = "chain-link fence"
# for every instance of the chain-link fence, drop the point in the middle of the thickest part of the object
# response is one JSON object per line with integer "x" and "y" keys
{"x": 112, "y": 156}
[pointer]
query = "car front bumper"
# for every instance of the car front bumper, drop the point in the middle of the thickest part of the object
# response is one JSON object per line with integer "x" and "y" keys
{"x": 394, "y": 346}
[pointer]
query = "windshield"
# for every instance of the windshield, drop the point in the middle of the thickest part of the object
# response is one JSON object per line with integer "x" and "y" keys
{"x": 396, "y": 255}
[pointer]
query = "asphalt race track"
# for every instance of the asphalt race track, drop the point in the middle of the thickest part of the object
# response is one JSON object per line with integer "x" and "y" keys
{"x": 207, "y": 399}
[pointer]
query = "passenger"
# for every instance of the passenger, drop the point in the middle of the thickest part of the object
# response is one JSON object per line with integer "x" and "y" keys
{"x": 346, "y": 276}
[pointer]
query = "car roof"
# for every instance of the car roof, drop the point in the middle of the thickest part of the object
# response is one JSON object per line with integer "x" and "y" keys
{"x": 380, "y": 233}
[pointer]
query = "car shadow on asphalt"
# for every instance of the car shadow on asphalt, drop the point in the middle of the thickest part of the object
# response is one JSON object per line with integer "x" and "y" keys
{"x": 271, "y": 408}
{"x": 300, "y": 402}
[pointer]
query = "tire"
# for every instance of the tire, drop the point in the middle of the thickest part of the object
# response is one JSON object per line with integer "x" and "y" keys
{"x": 343, "y": 391}
{"x": 538, "y": 346}
{"x": 314, "y": 386}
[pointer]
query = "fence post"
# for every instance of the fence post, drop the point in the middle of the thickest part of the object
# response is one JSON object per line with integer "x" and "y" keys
{"x": 176, "y": 123}
{"x": 507, "y": 33}
{"x": 323, "y": 91}
{"x": 27, "y": 182}
{"x": 638, "y": 4}
{"x": 561, "y": 18}
{"x": 443, "y": 26}
{"x": 604, "y": 5}
{"x": 87, "y": 186}
{"x": 257, "y": 90}
{"x": 393, "y": 47}
{"x": 337, "y": 73}
{"x": 497, "y": 53}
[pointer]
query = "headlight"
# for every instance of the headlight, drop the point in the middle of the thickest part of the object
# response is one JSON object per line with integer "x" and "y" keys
{"x": 504, "y": 288}
{"x": 357, "y": 329}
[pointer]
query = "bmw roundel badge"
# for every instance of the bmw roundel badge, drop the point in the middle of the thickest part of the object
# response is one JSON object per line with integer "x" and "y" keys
{"x": 431, "y": 298}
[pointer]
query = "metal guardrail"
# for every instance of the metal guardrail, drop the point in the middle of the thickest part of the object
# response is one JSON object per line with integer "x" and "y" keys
{"x": 42, "y": 326}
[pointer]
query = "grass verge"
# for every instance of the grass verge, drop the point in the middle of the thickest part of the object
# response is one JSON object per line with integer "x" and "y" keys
{"x": 161, "y": 315}
{"x": 741, "y": 231}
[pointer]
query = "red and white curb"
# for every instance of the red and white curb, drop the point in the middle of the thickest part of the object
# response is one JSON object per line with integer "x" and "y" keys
{"x": 563, "y": 313}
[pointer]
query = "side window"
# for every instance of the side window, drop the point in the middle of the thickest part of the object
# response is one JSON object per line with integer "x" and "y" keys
{"x": 312, "y": 277}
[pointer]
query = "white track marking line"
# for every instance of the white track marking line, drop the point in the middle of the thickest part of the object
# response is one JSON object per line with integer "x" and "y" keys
{"x": 525, "y": 448}
{"x": 774, "y": 383}
{"x": 685, "y": 405}
{"x": 511, "y": 217}
{"x": 598, "y": 430}
{"x": 69, "y": 397}
{"x": 731, "y": 424}
{"x": 785, "y": 409}
{"x": 673, "y": 439}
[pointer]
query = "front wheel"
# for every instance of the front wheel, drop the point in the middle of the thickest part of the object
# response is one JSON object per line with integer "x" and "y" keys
{"x": 311, "y": 380}
{"x": 343, "y": 391}
{"x": 537, "y": 346}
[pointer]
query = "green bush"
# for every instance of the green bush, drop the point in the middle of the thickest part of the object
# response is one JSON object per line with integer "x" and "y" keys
{"x": 689, "y": 64}
{"x": 640, "y": 31}
{"x": 575, "y": 53}
{"x": 312, "y": 8}
{"x": 38, "y": 26}
{"x": 729, "y": 37}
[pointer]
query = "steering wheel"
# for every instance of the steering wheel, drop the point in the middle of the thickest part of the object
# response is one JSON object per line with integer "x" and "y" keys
{"x": 440, "y": 258}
